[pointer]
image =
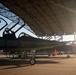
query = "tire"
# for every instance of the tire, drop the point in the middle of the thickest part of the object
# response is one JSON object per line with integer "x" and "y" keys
{"x": 68, "y": 56}
{"x": 32, "y": 61}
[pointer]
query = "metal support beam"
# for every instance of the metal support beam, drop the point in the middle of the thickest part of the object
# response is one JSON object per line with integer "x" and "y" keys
{"x": 58, "y": 38}
{"x": 13, "y": 25}
{"x": 19, "y": 28}
{"x": 4, "y": 24}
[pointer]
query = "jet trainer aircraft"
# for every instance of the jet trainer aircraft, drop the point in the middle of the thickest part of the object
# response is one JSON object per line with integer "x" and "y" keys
{"x": 25, "y": 42}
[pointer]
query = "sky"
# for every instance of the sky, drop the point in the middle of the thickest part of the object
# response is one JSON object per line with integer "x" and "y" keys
{"x": 65, "y": 37}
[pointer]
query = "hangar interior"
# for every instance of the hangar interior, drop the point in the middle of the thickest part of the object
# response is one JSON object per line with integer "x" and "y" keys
{"x": 44, "y": 17}
{"x": 40, "y": 17}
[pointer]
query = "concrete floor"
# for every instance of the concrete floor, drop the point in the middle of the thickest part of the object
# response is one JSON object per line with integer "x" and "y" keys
{"x": 45, "y": 66}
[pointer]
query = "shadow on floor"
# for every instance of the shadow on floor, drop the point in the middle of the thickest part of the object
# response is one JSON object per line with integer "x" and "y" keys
{"x": 47, "y": 62}
{"x": 17, "y": 63}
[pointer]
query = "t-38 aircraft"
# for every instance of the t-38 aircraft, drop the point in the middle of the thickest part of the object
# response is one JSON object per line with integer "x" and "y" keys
{"x": 25, "y": 42}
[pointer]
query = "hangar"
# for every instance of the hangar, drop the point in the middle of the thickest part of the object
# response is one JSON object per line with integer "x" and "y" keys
{"x": 46, "y": 17}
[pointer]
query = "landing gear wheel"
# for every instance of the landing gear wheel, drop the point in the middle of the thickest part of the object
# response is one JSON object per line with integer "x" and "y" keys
{"x": 68, "y": 56}
{"x": 32, "y": 61}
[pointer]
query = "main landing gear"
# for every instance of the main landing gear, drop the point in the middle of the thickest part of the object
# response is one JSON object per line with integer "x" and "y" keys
{"x": 32, "y": 60}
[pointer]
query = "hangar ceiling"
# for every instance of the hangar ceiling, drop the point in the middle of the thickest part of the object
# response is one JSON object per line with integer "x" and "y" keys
{"x": 46, "y": 16}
